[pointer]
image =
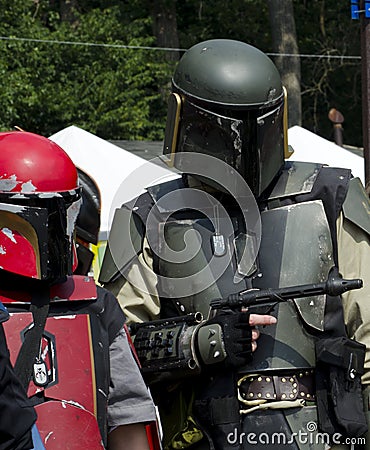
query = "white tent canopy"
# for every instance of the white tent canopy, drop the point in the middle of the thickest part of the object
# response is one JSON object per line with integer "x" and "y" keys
{"x": 122, "y": 176}
{"x": 310, "y": 147}
{"x": 110, "y": 166}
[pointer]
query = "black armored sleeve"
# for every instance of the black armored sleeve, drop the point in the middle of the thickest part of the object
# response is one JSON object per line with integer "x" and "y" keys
{"x": 17, "y": 415}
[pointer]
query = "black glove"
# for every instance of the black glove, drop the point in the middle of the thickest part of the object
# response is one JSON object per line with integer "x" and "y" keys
{"x": 226, "y": 339}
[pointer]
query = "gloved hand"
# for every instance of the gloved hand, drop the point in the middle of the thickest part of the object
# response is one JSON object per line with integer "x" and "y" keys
{"x": 226, "y": 339}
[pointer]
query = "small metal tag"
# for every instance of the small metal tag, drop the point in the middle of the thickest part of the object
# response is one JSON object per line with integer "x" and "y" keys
{"x": 40, "y": 373}
{"x": 219, "y": 248}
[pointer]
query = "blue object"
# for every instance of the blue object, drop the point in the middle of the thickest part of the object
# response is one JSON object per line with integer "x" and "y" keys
{"x": 37, "y": 442}
{"x": 354, "y": 12}
{"x": 367, "y": 10}
{"x": 4, "y": 315}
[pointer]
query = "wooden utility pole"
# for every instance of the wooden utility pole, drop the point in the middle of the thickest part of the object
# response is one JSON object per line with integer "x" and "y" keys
{"x": 364, "y": 13}
{"x": 336, "y": 117}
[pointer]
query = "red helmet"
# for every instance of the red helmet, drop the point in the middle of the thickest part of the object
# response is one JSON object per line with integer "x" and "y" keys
{"x": 39, "y": 204}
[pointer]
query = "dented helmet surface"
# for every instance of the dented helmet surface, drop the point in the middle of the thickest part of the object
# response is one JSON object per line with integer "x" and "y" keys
{"x": 30, "y": 163}
{"x": 39, "y": 204}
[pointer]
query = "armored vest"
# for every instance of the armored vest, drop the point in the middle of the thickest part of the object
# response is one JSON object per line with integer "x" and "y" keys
{"x": 298, "y": 246}
{"x": 298, "y": 218}
{"x": 70, "y": 374}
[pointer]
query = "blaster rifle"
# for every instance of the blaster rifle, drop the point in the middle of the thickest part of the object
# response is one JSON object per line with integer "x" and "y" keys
{"x": 335, "y": 285}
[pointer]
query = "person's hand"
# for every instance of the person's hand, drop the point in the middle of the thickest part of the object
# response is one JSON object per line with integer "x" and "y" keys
{"x": 254, "y": 321}
{"x": 230, "y": 337}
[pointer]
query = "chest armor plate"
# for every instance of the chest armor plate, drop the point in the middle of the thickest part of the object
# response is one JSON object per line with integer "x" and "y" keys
{"x": 70, "y": 373}
{"x": 71, "y": 368}
{"x": 295, "y": 249}
{"x": 210, "y": 266}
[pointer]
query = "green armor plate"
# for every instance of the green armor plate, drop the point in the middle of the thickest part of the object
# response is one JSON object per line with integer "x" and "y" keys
{"x": 289, "y": 344}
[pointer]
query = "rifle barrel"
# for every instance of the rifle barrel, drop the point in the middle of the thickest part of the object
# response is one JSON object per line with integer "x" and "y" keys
{"x": 333, "y": 286}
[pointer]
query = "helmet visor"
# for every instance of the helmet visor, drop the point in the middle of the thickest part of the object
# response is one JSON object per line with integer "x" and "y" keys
{"x": 36, "y": 241}
{"x": 252, "y": 141}
{"x": 206, "y": 132}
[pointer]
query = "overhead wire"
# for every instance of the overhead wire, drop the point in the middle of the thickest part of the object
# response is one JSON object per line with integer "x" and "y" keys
{"x": 165, "y": 49}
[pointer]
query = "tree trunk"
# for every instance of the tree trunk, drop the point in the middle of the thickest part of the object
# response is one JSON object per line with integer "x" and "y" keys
{"x": 67, "y": 11}
{"x": 284, "y": 41}
{"x": 163, "y": 13}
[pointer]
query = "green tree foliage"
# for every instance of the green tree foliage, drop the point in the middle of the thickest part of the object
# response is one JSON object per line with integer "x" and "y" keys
{"x": 245, "y": 20}
{"x": 47, "y": 86}
{"x": 119, "y": 93}
{"x": 325, "y": 32}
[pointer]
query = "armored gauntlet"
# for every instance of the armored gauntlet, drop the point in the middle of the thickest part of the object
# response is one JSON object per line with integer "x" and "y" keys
{"x": 181, "y": 346}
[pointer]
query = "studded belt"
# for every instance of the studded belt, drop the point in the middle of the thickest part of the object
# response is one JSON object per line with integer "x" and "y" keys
{"x": 255, "y": 388}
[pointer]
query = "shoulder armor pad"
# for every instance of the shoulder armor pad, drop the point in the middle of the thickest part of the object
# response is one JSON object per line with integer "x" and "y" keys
{"x": 77, "y": 287}
{"x": 296, "y": 178}
{"x": 124, "y": 242}
{"x": 356, "y": 206}
{"x": 127, "y": 231}
{"x": 162, "y": 189}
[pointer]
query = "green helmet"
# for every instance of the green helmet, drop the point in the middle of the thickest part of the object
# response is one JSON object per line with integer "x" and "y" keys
{"x": 228, "y": 101}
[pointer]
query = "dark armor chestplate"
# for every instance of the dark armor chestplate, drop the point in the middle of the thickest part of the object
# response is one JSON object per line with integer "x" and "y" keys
{"x": 217, "y": 272}
{"x": 209, "y": 268}
{"x": 287, "y": 260}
